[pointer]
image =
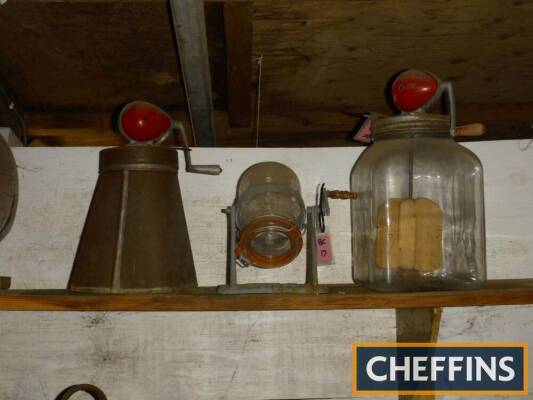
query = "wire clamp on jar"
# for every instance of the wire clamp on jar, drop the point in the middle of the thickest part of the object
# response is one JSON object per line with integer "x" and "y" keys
{"x": 311, "y": 277}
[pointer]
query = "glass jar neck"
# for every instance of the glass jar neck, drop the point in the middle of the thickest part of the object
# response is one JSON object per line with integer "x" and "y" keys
{"x": 444, "y": 135}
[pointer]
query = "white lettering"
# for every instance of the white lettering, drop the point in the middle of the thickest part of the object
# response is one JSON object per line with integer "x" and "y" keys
{"x": 422, "y": 369}
{"x": 453, "y": 368}
{"x": 417, "y": 368}
{"x": 406, "y": 369}
{"x": 469, "y": 369}
{"x": 370, "y": 371}
{"x": 510, "y": 371}
{"x": 435, "y": 368}
{"x": 482, "y": 365}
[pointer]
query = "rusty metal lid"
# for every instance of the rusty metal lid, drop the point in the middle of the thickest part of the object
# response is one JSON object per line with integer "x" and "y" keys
{"x": 8, "y": 188}
{"x": 411, "y": 123}
{"x": 139, "y": 157}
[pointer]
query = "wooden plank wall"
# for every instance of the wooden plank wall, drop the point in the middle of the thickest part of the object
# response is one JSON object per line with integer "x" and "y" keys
{"x": 323, "y": 64}
{"x": 225, "y": 355}
{"x": 342, "y": 54}
{"x": 98, "y": 55}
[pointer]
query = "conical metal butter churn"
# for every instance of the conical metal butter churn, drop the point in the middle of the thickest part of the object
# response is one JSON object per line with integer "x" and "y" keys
{"x": 135, "y": 237}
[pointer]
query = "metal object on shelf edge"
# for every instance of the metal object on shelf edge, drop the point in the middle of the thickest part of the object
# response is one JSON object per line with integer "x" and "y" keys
{"x": 8, "y": 188}
{"x": 5, "y": 282}
{"x": 12, "y": 115}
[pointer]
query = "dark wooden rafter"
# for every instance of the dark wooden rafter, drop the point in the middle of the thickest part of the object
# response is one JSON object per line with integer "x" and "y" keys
{"x": 283, "y": 128}
{"x": 323, "y": 66}
{"x": 239, "y": 33}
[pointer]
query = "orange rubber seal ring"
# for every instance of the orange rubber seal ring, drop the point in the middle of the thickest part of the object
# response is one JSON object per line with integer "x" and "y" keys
{"x": 245, "y": 250}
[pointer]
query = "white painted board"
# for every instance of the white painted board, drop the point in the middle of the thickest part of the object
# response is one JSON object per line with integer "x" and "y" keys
{"x": 225, "y": 355}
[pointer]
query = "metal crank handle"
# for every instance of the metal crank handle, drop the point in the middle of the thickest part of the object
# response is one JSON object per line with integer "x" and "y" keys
{"x": 212, "y": 169}
{"x": 470, "y": 130}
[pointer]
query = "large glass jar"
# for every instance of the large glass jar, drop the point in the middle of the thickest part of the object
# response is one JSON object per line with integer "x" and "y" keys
{"x": 270, "y": 215}
{"x": 418, "y": 220}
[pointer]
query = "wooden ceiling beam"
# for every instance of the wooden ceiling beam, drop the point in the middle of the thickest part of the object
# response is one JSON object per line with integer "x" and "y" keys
{"x": 283, "y": 128}
{"x": 239, "y": 33}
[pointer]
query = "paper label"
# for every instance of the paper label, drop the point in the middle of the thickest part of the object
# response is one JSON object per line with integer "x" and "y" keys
{"x": 324, "y": 250}
{"x": 364, "y": 133}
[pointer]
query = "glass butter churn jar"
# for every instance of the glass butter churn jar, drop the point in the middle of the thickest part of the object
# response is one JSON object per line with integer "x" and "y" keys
{"x": 418, "y": 221}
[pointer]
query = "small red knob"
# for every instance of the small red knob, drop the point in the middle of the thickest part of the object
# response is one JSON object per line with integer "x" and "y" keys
{"x": 412, "y": 89}
{"x": 140, "y": 121}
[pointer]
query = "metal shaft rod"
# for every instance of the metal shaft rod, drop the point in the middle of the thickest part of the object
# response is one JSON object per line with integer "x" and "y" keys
{"x": 311, "y": 273}
{"x": 189, "y": 30}
{"x": 231, "y": 277}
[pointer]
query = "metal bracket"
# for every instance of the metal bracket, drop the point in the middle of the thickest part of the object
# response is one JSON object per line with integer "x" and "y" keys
{"x": 311, "y": 274}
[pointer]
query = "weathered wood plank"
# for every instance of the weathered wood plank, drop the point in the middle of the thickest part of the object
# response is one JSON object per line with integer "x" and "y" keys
{"x": 252, "y": 355}
{"x": 41, "y": 256}
{"x": 239, "y": 35}
{"x": 342, "y": 55}
{"x": 128, "y": 53}
{"x": 226, "y": 355}
{"x": 315, "y": 57}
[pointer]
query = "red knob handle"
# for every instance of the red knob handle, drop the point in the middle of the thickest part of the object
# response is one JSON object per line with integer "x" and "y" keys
{"x": 412, "y": 89}
{"x": 140, "y": 121}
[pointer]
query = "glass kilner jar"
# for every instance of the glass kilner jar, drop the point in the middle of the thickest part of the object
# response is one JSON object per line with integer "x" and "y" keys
{"x": 270, "y": 215}
{"x": 418, "y": 220}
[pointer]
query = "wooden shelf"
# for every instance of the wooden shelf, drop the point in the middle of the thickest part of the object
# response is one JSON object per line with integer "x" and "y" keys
{"x": 496, "y": 292}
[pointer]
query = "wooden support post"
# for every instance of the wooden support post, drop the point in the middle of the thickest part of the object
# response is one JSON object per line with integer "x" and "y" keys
{"x": 189, "y": 29}
{"x": 417, "y": 325}
{"x": 239, "y": 32}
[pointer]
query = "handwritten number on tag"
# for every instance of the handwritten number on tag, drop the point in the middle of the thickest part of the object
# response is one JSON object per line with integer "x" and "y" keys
{"x": 324, "y": 250}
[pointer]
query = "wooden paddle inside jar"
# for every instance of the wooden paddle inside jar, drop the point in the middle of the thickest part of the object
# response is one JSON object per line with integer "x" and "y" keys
{"x": 409, "y": 235}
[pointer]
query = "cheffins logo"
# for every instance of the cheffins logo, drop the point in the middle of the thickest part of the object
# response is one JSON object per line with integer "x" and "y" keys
{"x": 440, "y": 368}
